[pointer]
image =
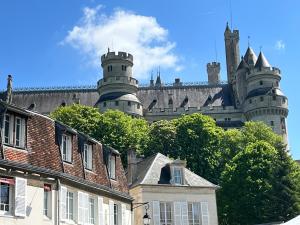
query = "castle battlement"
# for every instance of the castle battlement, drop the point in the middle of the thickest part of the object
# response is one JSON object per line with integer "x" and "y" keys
{"x": 118, "y": 79}
{"x": 115, "y": 55}
{"x": 213, "y": 64}
{"x": 275, "y": 70}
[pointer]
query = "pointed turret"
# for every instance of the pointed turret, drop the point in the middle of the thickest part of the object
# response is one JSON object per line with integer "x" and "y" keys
{"x": 250, "y": 57}
{"x": 158, "y": 80}
{"x": 243, "y": 64}
{"x": 227, "y": 29}
{"x": 262, "y": 62}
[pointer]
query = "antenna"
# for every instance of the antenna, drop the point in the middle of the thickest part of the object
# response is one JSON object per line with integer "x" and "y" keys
{"x": 248, "y": 41}
{"x": 230, "y": 8}
{"x": 216, "y": 52}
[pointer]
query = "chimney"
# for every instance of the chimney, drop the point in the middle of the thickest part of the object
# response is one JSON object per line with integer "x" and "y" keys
{"x": 9, "y": 90}
{"x": 131, "y": 166}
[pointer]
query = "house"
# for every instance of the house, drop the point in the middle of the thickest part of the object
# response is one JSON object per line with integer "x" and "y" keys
{"x": 52, "y": 174}
{"x": 173, "y": 195}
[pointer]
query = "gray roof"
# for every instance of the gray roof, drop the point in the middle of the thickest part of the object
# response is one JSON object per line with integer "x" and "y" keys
{"x": 250, "y": 56}
{"x": 262, "y": 61}
{"x": 243, "y": 64}
{"x": 265, "y": 91}
{"x": 151, "y": 172}
{"x": 46, "y": 100}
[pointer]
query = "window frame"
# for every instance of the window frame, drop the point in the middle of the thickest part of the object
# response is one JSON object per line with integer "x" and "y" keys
{"x": 191, "y": 221}
{"x": 88, "y": 156}
{"x": 10, "y": 199}
{"x": 91, "y": 220}
{"x": 112, "y": 167}
{"x": 68, "y": 214}
{"x": 47, "y": 206}
{"x": 116, "y": 214}
{"x": 11, "y": 128}
{"x": 176, "y": 176}
{"x": 166, "y": 213}
{"x": 67, "y": 143}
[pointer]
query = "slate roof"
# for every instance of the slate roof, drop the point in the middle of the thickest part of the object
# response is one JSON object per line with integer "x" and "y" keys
{"x": 264, "y": 91}
{"x": 151, "y": 171}
{"x": 250, "y": 56}
{"x": 262, "y": 61}
{"x": 46, "y": 101}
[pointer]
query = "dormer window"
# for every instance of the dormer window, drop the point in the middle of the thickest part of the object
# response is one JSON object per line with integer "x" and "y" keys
{"x": 112, "y": 166}
{"x": 14, "y": 131}
{"x": 66, "y": 148}
{"x": 88, "y": 157}
{"x": 177, "y": 175}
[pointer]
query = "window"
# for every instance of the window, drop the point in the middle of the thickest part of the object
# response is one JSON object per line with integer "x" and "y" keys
{"x": 112, "y": 166}
{"x": 274, "y": 98}
{"x": 14, "y": 131}
{"x": 250, "y": 101}
{"x": 272, "y": 123}
{"x": 47, "y": 200}
{"x": 261, "y": 99}
{"x": 227, "y": 119}
{"x": 138, "y": 106}
{"x": 66, "y": 148}
{"x": 91, "y": 211}
{"x": 124, "y": 68}
{"x": 109, "y": 68}
{"x": 194, "y": 213}
{"x": 116, "y": 212}
{"x": 282, "y": 121}
{"x": 261, "y": 82}
{"x": 5, "y": 196}
{"x": 104, "y": 104}
{"x": 88, "y": 156}
{"x": 116, "y": 103}
{"x": 129, "y": 103}
{"x": 165, "y": 213}
{"x": 283, "y": 100}
{"x": 70, "y": 206}
{"x": 177, "y": 172}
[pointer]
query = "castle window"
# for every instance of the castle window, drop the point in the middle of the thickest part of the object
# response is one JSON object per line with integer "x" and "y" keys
{"x": 124, "y": 68}
{"x": 261, "y": 82}
{"x": 227, "y": 119}
{"x": 170, "y": 102}
{"x": 277, "y": 83}
{"x": 261, "y": 99}
{"x": 63, "y": 104}
{"x": 116, "y": 103}
{"x": 250, "y": 101}
{"x": 272, "y": 123}
{"x": 109, "y": 68}
{"x": 283, "y": 100}
{"x": 129, "y": 103}
{"x": 104, "y": 104}
{"x": 282, "y": 121}
{"x": 274, "y": 98}
{"x": 138, "y": 106}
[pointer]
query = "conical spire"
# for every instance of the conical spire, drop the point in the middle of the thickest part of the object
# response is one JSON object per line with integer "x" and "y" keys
{"x": 243, "y": 64}
{"x": 262, "y": 62}
{"x": 250, "y": 56}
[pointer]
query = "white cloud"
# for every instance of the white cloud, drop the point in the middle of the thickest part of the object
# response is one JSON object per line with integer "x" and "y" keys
{"x": 126, "y": 31}
{"x": 279, "y": 45}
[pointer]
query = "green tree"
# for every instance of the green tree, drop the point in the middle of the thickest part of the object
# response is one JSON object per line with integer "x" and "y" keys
{"x": 82, "y": 118}
{"x": 162, "y": 138}
{"x": 199, "y": 140}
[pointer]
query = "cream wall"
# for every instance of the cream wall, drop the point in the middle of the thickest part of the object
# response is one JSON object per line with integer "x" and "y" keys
{"x": 173, "y": 194}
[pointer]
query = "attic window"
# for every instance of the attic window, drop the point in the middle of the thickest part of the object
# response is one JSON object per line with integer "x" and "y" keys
{"x": 170, "y": 101}
{"x": 185, "y": 101}
{"x": 177, "y": 175}
{"x": 31, "y": 107}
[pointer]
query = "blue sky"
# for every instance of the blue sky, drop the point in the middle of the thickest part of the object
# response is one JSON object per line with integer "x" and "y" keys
{"x": 58, "y": 43}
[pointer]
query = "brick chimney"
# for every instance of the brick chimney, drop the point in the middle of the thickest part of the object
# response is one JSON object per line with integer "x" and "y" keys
{"x": 131, "y": 166}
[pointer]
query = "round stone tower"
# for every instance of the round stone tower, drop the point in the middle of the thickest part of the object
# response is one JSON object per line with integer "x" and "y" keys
{"x": 117, "y": 88}
{"x": 264, "y": 99}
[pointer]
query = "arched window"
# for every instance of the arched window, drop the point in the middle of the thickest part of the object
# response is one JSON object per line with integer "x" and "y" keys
{"x": 170, "y": 101}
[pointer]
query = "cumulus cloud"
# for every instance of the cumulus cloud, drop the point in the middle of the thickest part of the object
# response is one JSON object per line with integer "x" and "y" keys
{"x": 123, "y": 30}
{"x": 279, "y": 45}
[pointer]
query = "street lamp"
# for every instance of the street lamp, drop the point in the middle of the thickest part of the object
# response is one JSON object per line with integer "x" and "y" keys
{"x": 146, "y": 217}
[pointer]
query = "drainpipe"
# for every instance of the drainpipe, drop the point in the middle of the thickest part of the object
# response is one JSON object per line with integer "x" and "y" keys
{"x": 58, "y": 201}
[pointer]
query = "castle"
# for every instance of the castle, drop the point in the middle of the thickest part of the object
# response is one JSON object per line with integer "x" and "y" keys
{"x": 252, "y": 91}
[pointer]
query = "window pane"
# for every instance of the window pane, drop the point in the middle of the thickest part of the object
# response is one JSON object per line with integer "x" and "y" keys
{"x": 70, "y": 206}
{"x": 92, "y": 211}
{"x": 18, "y": 131}
{"x": 116, "y": 214}
{"x": 4, "y": 197}
{"x": 6, "y": 129}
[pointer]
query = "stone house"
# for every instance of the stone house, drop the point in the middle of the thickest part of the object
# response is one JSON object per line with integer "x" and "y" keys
{"x": 52, "y": 174}
{"x": 173, "y": 195}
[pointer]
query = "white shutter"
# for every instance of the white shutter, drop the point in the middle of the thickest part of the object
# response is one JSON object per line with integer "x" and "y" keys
{"x": 23, "y": 134}
{"x": 69, "y": 148}
{"x": 11, "y": 129}
{"x": 100, "y": 211}
{"x": 111, "y": 212}
{"x": 123, "y": 218}
{"x": 184, "y": 213}
{"x": 20, "y": 197}
{"x": 81, "y": 207}
{"x": 156, "y": 212}
{"x": 86, "y": 208}
{"x": 177, "y": 213}
{"x": 204, "y": 213}
{"x": 63, "y": 203}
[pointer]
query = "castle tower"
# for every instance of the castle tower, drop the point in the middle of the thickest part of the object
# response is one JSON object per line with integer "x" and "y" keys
{"x": 265, "y": 101}
{"x": 213, "y": 73}
{"x": 117, "y": 88}
{"x": 232, "y": 50}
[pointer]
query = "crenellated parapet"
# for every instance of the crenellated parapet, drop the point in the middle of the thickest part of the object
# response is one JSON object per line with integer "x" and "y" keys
{"x": 117, "y": 56}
